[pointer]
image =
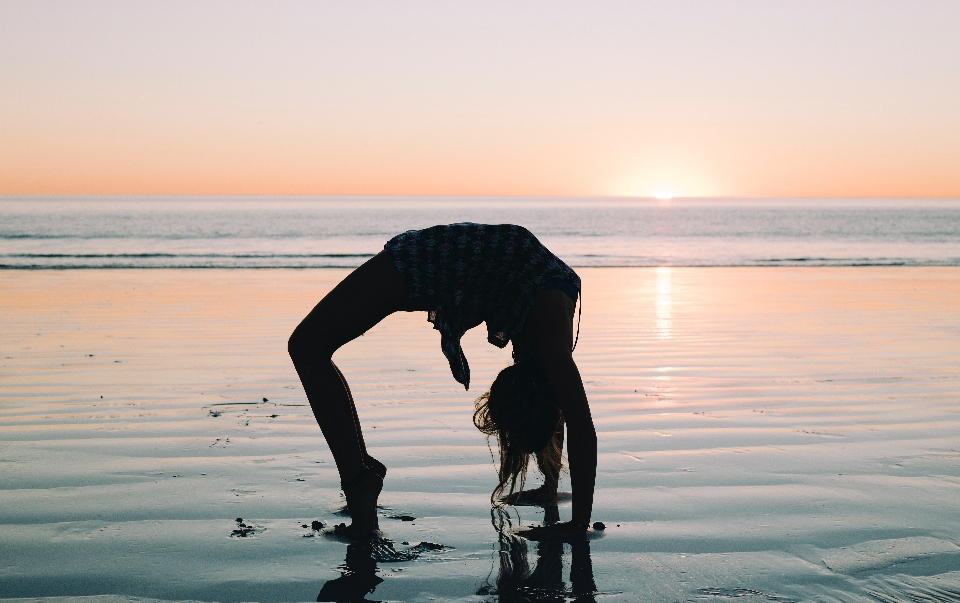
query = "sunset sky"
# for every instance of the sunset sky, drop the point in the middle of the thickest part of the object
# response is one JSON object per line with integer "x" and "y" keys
{"x": 689, "y": 98}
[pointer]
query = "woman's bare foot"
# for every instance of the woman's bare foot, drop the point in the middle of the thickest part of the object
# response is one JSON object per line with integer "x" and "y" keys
{"x": 544, "y": 495}
{"x": 362, "y": 495}
{"x": 375, "y": 466}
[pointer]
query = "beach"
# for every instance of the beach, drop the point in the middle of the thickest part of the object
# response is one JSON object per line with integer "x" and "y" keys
{"x": 765, "y": 434}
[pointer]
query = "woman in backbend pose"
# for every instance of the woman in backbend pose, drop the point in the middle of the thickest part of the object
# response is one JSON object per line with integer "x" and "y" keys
{"x": 462, "y": 275}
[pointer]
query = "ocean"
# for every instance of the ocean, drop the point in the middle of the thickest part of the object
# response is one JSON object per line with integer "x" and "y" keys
{"x": 342, "y": 232}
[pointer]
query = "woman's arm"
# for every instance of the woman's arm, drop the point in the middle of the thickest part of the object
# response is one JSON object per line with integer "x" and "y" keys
{"x": 581, "y": 446}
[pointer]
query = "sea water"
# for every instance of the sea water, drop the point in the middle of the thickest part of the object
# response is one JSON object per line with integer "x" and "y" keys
{"x": 324, "y": 232}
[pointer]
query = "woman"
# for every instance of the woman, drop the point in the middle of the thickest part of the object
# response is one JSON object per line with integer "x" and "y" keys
{"x": 462, "y": 275}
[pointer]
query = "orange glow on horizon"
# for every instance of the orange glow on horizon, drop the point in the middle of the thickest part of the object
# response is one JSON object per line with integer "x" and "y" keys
{"x": 467, "y": 173}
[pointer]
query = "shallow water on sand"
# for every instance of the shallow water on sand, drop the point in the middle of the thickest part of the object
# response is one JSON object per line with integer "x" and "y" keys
{"x": 766, "y": 434}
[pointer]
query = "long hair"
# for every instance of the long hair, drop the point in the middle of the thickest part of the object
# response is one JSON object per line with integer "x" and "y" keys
{"x": 521, "y": 411}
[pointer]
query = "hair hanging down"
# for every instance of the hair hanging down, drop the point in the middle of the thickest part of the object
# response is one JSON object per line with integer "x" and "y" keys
{"x": 520, "y": 410}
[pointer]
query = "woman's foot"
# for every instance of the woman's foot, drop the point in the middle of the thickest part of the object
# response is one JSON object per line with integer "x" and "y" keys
{"x": 544, "y": 495}
{"x": 362, "y": 493}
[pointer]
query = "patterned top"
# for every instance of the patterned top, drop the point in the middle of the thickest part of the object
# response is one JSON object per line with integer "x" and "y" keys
{"x": 475, "y": 273}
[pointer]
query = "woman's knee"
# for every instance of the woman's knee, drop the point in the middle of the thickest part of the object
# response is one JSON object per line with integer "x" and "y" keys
{"x": 309, "y": 340}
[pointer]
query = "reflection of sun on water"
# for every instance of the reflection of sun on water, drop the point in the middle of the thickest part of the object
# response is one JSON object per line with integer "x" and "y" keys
{"x": 664, "y": 304}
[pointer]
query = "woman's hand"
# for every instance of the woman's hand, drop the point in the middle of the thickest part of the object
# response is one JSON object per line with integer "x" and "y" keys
{"x": 566, "y": 530}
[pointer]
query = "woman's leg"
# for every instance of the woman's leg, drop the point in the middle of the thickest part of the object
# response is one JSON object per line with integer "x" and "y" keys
{"x": 368, "y": 295}
{"x": 548, "y": 462}
{"x": 371, "y": 463}
{"x": 549, "y": 335}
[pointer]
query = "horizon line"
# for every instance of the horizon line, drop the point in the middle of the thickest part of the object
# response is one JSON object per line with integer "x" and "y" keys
{"x": 5, "y": 196}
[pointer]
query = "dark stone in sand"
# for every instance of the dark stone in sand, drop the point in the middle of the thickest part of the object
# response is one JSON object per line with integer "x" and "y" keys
{"x": 403, "y": 517}
{"x": 243, "y": 530}
{"x": 599, "y": 526}
{"x": 316, "y": 525}
{"x": 265, "y": 400}
{"x": 304, "y": 526}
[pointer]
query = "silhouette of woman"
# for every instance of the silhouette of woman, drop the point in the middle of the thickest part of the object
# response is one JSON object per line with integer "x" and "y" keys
{"x": 462, "y": 275}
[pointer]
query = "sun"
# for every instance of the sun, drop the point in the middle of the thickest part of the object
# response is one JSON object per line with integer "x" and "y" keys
{"x": 664, "y": 195}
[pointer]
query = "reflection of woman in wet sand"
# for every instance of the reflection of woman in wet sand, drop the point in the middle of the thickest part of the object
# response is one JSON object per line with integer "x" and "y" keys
{"x": 463, "y": 274}
{"x": 516, "y": 582}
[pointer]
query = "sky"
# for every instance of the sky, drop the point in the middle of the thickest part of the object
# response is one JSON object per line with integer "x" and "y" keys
{"x": 811, "y": 98}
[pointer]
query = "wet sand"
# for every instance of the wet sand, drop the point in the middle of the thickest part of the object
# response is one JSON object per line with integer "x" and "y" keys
{"x": 766, "y": 434}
